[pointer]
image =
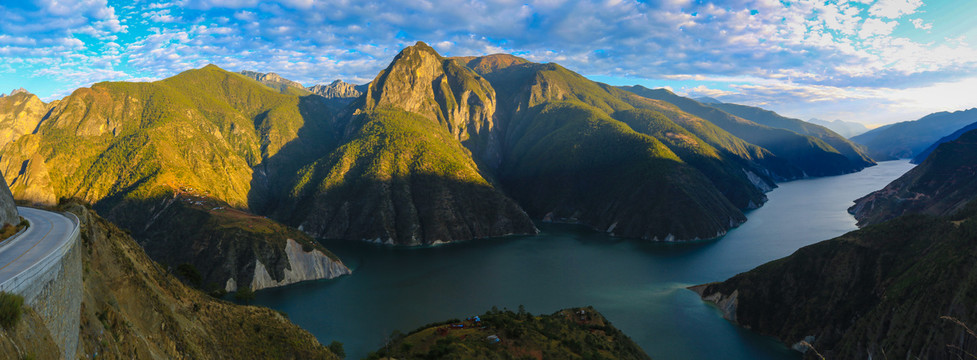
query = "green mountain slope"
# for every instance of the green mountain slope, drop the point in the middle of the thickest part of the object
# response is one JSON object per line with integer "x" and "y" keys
{"x": 811, "y": 155}
{"x": 132, "y": 148}
{"x": 943, "y": 184}
{"x": 880, "y": 291}
{"x": 576, "y": 333}
{"x": 401, "y": 179}
{"x": 853, "y": 152}
{"x": 908, "y": 138}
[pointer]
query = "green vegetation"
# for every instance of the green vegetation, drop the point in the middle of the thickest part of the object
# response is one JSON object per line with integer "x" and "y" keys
{"x": 244, "y": 294}
{"x": 578, "y": 333}
{"x": 401, "y": 177}
{"x": 337, "y": 348}
{"x": 11, "y": 309}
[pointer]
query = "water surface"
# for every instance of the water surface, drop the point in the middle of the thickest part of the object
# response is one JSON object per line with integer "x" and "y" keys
{"x": 639, "y": 286}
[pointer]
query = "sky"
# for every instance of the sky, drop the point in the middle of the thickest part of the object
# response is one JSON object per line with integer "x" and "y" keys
{"x": 868, "y": 61}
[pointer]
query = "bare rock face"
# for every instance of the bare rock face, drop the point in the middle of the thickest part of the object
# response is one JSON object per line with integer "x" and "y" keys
{"x": 338, "y": 89}
{"x": 8, "y": 210}
{"x": 421, "y": 81}
{"x": 274, "y": 81}
{"x": 20, "y": 113}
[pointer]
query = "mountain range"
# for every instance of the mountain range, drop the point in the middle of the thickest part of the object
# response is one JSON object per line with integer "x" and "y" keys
{"x": 907, "y": 139}
{"x": 899, "y": 288}
{"x": 235, "y": 173}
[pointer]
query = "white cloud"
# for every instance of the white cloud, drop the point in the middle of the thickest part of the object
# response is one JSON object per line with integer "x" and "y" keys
{"x": 894, "y": 8}
{"x": 918, "y": 23}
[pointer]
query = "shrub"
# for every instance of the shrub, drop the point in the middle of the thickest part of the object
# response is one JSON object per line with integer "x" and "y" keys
{"x": 337, "y": 348}
{"x": 11, "y": 308}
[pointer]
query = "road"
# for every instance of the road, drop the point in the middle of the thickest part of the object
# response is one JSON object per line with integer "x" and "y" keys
{"x": 48, "y": 231}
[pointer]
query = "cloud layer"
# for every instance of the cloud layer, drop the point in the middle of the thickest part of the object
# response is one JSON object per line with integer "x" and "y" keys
{"x": 760, "y": 50}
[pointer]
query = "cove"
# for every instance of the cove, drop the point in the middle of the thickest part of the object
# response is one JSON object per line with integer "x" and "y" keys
{"x": 637, "y": 285}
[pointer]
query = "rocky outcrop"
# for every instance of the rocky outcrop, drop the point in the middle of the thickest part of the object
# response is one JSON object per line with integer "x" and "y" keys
{"x": 339, "y": 90}
{"x": 445, "y": 91}
{"x": 302, "y": 265}
{"x": 20, "y": 114}
{"x": 226, "y": 246}
{"x": 8, "y": 210}
{"x": 943, "y": 184}
{"x": 275, "y": 81}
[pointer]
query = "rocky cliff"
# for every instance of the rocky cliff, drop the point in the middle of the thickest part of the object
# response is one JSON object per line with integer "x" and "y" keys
{"x": 8, "y": 209}
{"x": 339, "y": 90}
{"x": 20, "y": 114}
{"x": 277, "y": 82}
{"x": 943, "y": 184}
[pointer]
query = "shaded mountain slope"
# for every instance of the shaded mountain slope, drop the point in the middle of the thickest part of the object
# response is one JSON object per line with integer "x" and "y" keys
{"x": 944, "y": 183}
{"x": 908, "y": 138}
{"x": 812, "y": 156}
{"x": 922, "y": 155}
{"x": 880, "y": 291}
{"x": 575, "y": 333}
{"x": 853, "y": 152}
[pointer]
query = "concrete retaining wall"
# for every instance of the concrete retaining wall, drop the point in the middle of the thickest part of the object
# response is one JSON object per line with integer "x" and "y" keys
{"x": 53, "y": 288}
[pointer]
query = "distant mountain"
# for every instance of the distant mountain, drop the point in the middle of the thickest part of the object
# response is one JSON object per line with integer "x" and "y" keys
{"x": 809, "y": 156}
{"x": 941, "y": 185}
{"x": 880, "y": 291}
{"x": 843, "y": 128}
{"x": 708, "y": 100}
{"x": 339, "y": 90}
{"x": 275, "y": 81}
{"x": 575, "y": 333}
{"x": 919, "y": 158}
{"x": 853, "y": 152}
{"x": 907, "y": 139}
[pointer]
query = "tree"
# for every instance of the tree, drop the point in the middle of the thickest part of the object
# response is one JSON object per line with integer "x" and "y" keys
{"x": 337, "y": 348}
{"x": 244, "y": 294}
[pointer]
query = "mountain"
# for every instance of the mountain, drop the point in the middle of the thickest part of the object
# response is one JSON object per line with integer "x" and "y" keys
{"x": 405, "y": 172}
{"x": 847, "y": 129}
{"x": 560, "y": 165}
{"x": 853, "y": 152}
{"x": 20, "y": 113}
{"x": 8, "y": 209}
{"x": 575, "y": 333}
{"x": 190, "y": 144}
{"x": 907, "y": 139}
{"x": 275, "y": 81}
{"x": 942, "y": 185}
{"x": 922, "y": 155}
{"x": 881, "y": 291}
{"x": 810, "y": 156}
{"x": 339, "y": 90}
{"x": 708, "y": 100}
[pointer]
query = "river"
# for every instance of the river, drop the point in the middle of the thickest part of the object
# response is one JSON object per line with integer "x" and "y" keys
{"x": 639, "y": 286}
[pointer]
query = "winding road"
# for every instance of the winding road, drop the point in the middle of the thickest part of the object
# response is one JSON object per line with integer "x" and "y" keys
{"x": 48, "y": 232}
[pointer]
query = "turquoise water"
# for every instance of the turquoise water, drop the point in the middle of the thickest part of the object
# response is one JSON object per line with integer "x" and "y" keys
{"x": 639, "y": 286}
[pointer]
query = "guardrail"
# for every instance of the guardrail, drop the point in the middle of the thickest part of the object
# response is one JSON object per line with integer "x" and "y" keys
{"x": 18, "y": 283}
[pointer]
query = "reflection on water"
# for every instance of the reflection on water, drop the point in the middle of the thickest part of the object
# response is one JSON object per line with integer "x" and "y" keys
{"x": 639, "y": 286}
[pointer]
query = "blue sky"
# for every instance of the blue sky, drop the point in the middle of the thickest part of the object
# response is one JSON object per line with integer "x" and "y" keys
{"x": 872, "y": 61}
